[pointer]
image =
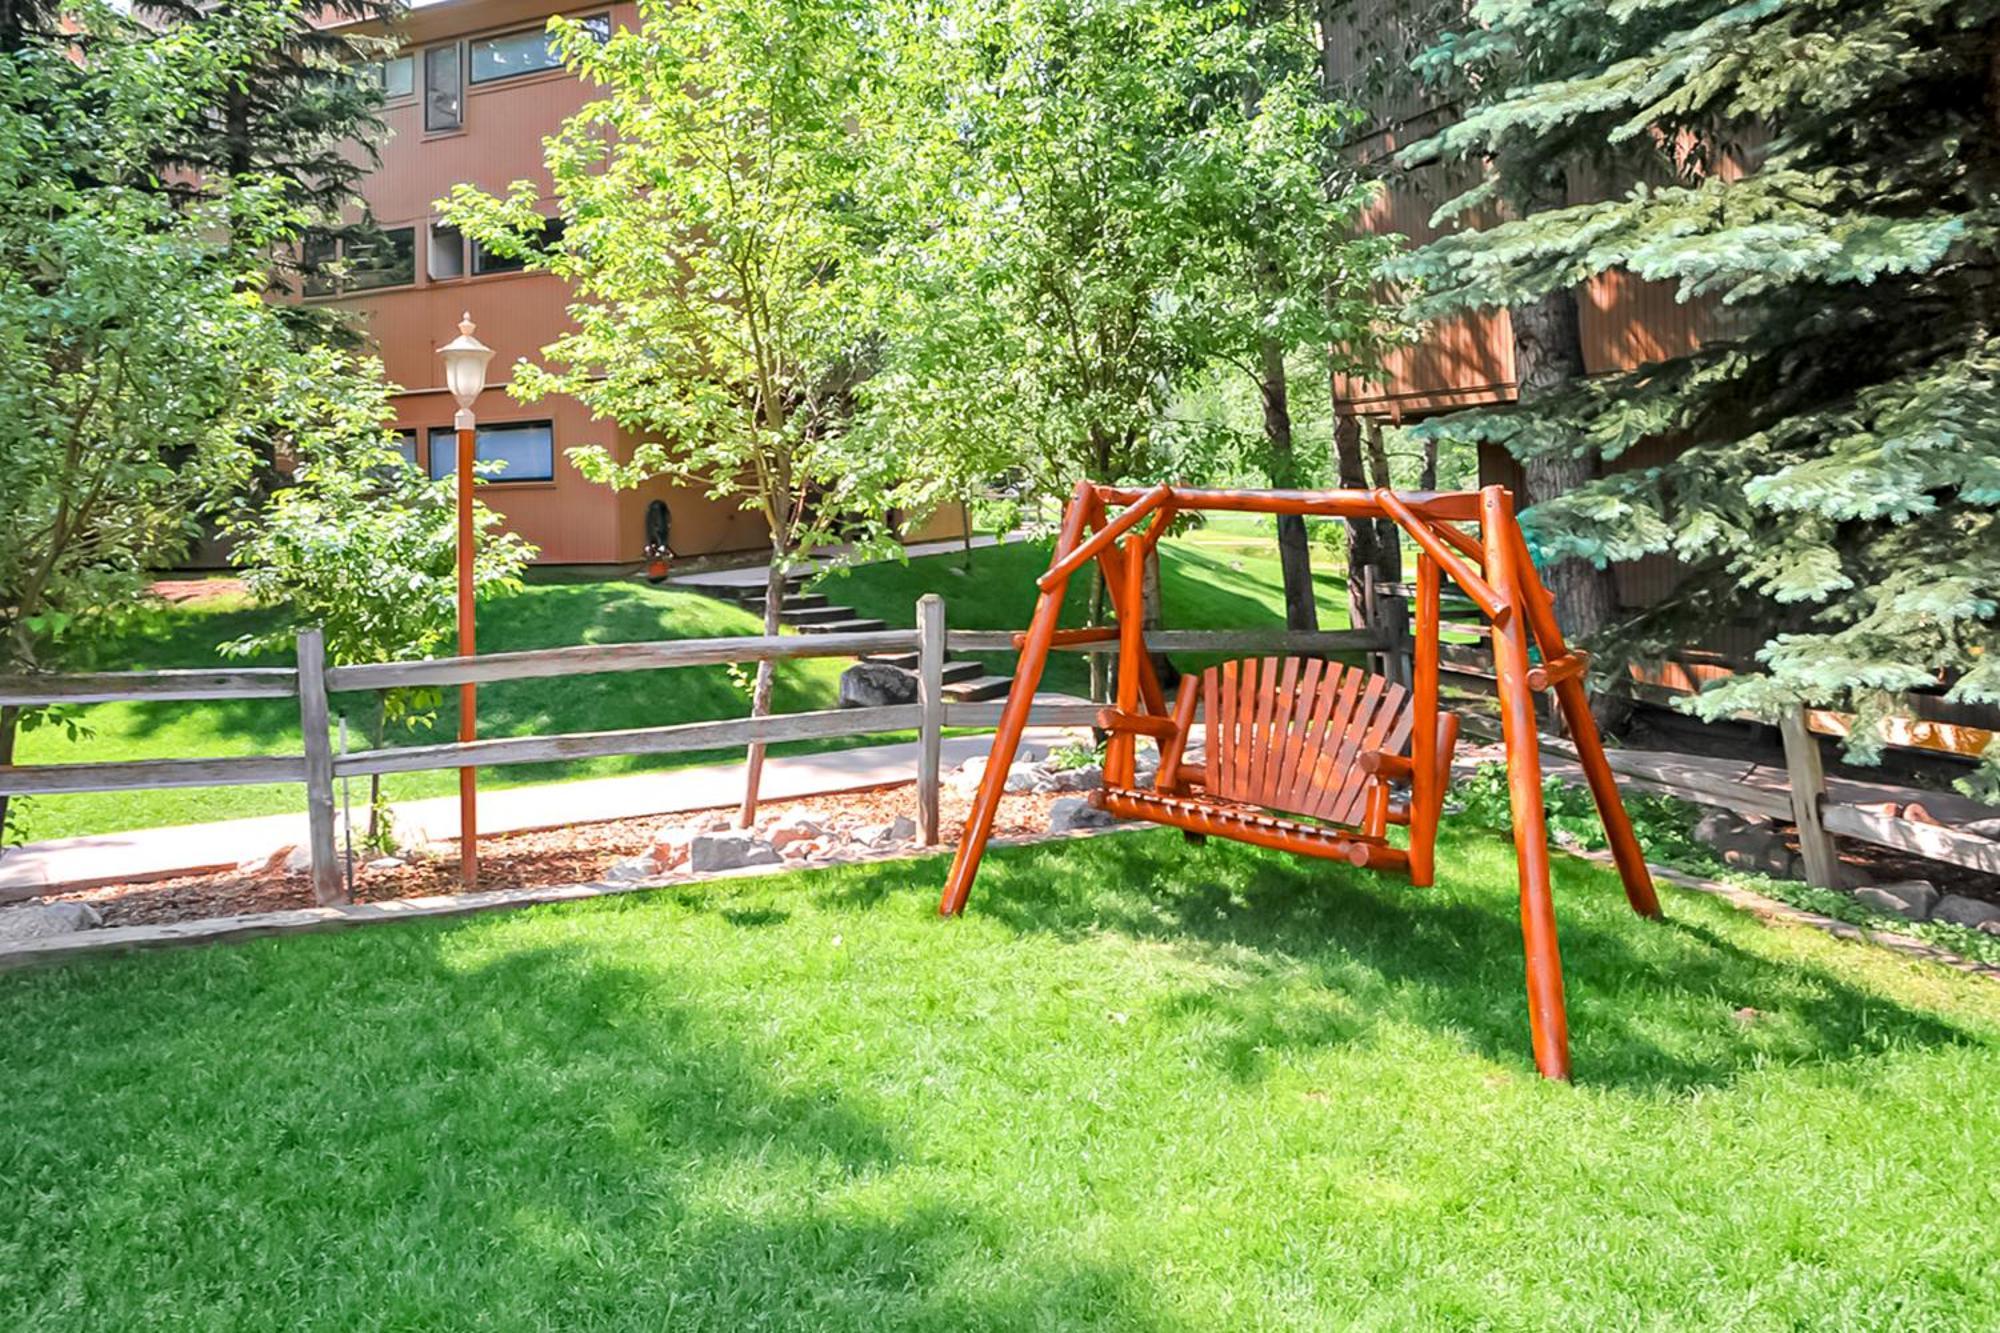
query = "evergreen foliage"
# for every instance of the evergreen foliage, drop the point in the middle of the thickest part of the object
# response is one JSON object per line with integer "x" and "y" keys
{"x": 1820, "y": 175}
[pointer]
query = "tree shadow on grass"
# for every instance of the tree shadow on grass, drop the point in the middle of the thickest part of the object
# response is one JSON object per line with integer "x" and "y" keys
{"x": 429, "y": 1129}
{"x": 1324, "y": 954}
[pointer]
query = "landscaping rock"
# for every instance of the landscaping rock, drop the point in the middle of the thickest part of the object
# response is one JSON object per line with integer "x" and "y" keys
{"x": 298, "y": 861}
{"x": 632, "y": 869}
{"x": 1022, "y": 777}
{"x": 1074, "y": 812}
{"x": 900, "y": 829}
{"x": 1912, "y": 898}
{"x": 793, "y": 829}
{"x": 876, "y": 685}
{"x": 1076, "y": 779}
{"x": 965, "y": 778}
{"x": 670, "y": 846}
{"x": 1717, "y": 825}
{"x": 1962, "y": 911}
{"x": 1983, "y": 828}
{"x": 37, "y": 921}
{"x": 1754, "y": 845}
{"x": 731, "y": 850}
{"x": 387, "y": 863}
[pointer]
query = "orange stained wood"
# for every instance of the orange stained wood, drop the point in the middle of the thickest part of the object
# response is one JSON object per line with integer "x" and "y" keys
{"x": 1301, "y": 753}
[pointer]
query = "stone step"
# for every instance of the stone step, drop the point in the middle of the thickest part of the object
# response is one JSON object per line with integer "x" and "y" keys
{"x": 964, "y": 669}
{"x": 817, "y": 615}
{"x": 907, "y": 661}
{"x": 798, "y": 601}
{"x": 955, "y": 668}
{"x": 747, "y": 592}
{"x": 979, "y": 689}
{"x": 861, "y": 626}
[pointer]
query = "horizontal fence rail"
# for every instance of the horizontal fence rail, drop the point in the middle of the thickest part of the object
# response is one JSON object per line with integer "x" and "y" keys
{"x": 1806, "y": 803}
{"x": 828, "y": 724}
{"x": 99, "y": 687}
{"x": 586, "y": 659}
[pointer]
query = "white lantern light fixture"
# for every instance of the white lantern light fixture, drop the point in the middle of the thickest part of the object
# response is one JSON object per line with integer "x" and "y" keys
{"x": 465, "y": 359}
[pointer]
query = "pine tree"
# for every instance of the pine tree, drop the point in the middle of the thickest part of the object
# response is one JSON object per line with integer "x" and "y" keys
{"x": 1824, "y": 174}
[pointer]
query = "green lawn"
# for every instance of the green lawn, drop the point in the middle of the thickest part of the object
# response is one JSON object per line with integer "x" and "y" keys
{"x": 1139, "y": 1087}
{"x": 546, "y": 615}
{"x": 1224, "y": 576}
{"x": 1212, "y": 579}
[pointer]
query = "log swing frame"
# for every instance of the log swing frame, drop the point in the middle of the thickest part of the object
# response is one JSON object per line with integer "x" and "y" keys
{"x": 1490, "y": 565}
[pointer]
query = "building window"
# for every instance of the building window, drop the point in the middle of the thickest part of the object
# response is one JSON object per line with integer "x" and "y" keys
{"x": 447, "y": 253}
{"x": 405, "y": 443}
{"x": 442, "y": 95}
{"x": 528, "y": 448}
{"x": 396, "y": 77}
{"x": 329, "y": 266}
{"x": 484, "y": 261}
{"x": 516, "y": 53}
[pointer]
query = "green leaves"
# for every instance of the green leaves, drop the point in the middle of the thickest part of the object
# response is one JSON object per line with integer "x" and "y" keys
{"x": 1821, "y": 168}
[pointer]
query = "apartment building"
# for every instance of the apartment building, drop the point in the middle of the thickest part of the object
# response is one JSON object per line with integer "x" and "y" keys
{"x": 469, "y": 98}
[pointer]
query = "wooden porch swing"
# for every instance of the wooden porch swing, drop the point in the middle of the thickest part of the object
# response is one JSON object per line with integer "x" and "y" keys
{"x": 1310, "y": 756}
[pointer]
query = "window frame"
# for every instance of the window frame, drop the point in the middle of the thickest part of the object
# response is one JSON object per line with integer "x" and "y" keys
{"x": 447, "y": 434}
{"x": 318, "y": 248}
{"x": 472, "y": 80}
{"x": 458, "y": 92}
{"x": 431, "y": 250}
{"x": 378, "y": 70}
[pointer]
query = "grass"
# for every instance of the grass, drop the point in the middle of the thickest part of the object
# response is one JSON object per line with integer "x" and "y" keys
{"x": 1212, "y": 579}
{"x": 1223, "y": 576}
{"x": 545, "y": 615}
{"x": 1138, "y": 1087}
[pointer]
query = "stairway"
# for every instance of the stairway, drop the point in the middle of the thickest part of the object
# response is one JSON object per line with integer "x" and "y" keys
{"x": 965, "y": 681}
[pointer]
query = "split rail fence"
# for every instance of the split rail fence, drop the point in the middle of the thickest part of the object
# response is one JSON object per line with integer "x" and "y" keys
{"x": 313, "y": 681}
{"x": 318, "y": 768}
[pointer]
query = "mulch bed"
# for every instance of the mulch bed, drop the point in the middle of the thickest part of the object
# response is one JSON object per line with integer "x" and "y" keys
{"x": 575, "y": 854}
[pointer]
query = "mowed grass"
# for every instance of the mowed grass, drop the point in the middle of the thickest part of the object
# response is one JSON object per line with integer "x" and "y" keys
{"x": 1140, "y": 1086}
{"x": 1208, "y": 580}
{"x": 1224, "y": 576}
{"x": 545, "y": 615}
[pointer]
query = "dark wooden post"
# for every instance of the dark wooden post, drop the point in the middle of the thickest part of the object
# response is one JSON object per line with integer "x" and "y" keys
{"x": 1808, "y": 782}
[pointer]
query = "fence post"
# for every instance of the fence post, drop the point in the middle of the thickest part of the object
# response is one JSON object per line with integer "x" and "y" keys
{"x": 329, "y": 885}
{"x": 1807, "y": 776}
{"x": 930, "y": 706}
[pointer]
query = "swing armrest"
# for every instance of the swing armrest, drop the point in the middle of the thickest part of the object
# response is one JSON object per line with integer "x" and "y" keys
{"x": 1138, "y": 724}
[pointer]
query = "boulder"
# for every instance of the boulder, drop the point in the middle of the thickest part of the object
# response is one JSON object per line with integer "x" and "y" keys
{"x": 900, "y": 829}
{"x": 1023, "y": 776}
{"x": 632, "y": 869}
{"x": 876, "y": 685}
{"x": 965, "y": 778}
{"x": 1716, "y": 825}
{"x": 1753, "y": 845}
{"x": 1074, "y": 812}
{"x": 1912, "y": 898}
{"x": 1076, "y": 779}
{"x": 298, "y": 860}
{"x": 387, "y": 863}
{"x": 729, "y": 850}
{"x": 37, "y": 921}
{"x": 670, "y": 845}
{"x": 1962, "y": 911}
{"x": 793, "y": 829}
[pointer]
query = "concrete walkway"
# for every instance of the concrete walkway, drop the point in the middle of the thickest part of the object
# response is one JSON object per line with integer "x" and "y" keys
{"x": 161, "y": 853}
{"x": 755, "y": 575}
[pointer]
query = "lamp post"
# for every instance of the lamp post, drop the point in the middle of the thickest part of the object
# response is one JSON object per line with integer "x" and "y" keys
{"x": 465, "y": 359}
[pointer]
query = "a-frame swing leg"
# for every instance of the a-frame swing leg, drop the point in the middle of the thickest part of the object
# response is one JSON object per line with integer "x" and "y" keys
{"x": 1548, "y": 1021}
{"x": 1033, "y": 659}
{"x": 1573, "y": 697}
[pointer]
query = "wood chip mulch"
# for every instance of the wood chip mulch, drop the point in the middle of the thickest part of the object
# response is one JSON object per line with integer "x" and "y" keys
{"x": 576, "y": 854}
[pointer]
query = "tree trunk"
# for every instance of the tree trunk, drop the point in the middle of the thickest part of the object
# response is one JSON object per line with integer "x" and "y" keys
{"x": 1388, "y": 537}
{"x": 1548, "y": 358}
{"x": 760, "y": 694}
{"x": 1428, "y": 479}
{"x": 376, "y": 733}
{"x": 10, "y": 723}
{"x": 1294, "y": 546}
{"x": 1362, "y": 536}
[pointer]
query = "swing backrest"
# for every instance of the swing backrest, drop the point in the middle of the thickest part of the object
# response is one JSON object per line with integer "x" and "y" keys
{"x": 1288, "y": 733}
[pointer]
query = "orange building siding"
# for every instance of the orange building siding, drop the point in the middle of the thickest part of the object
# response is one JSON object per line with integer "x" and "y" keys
{"x": 499, "y": 141}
